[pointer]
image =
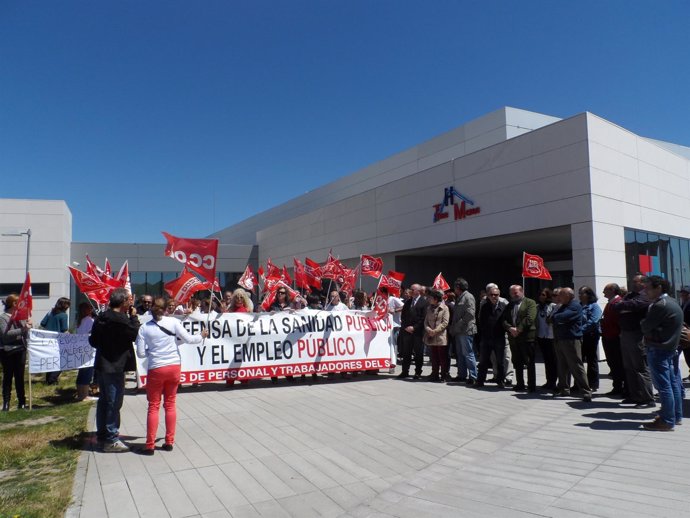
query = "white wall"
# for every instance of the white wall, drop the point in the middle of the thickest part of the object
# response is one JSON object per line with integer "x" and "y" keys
{"x": 536, "y": 180}
{"x": 636, "y": 183}
{"x": 477, "y": 134}
{"x": 50, "y": 222}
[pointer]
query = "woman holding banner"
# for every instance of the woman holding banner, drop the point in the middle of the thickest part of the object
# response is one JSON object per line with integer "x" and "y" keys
{"x": 58, "y": 321}
{"x": 13, "y": 353}
{"x": 156, "y": 342}
{"x": 240, "y": 302}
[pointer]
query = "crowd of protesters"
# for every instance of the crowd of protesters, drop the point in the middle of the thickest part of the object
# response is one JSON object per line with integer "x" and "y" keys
{"x": 643, "y": 331}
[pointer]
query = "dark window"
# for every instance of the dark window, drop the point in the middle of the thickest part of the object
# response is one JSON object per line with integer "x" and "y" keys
{"x": 38, "y": 289}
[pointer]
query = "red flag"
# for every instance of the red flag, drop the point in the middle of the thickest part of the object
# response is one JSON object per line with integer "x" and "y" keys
{"x": 440, "y": 283}
{"x": 182, "y": 288}
{"x": 93, "y": 269}
{"x": 271, "y": 296}
{"x": 108, "y": 270}
{"x": 270, "y": 284}
{"x": 123, "y": 277}
{"x": 381, "y": 306}
{"x": 392, "y": 282}
{"x": 350, "y": 280}
{"x": 124, "y": 271}
{"x": 313, "y": 271}
{"x": 301, "y": 279}
{"x": 199, "y": 255}
{"x": 25, "y": 303}
{"x": 372, "y": 266}
{"x": 332, "y": 269}
{"x": 85, "y": 282}
{"x": 93, "y": 288}
{"x": 248, "y": 280}
{"x": 273, "y": 273}
{"x": 285, "y": 276}
{"x": 212, "y": 286}
{"x": 533, "y": 266}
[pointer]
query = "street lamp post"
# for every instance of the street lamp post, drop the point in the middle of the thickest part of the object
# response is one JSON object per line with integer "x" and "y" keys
{"x": 26, "y": 233}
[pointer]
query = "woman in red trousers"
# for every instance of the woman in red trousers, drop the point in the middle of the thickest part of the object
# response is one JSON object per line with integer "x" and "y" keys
{"x": 157, "y": 343}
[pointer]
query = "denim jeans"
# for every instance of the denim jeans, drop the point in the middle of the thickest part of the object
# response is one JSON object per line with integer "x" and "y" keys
{"x": 679, "y": 378}
{"x": 662, "y": 368}
{"x": 464, "y": 354}
{"x": 112, "y": 391}
{"x": 85, "y": 376}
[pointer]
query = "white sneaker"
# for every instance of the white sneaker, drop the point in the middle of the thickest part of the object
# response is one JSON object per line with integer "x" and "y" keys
{"x": 115, "y": 447}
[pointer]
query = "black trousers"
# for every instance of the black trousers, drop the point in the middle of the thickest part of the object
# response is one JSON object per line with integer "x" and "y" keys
{"x": 590, "y": 357}
{"x": 523, "y": 355}
{"x": 614, "y": 358}
{"x": 410, "y": 343}
{"x": 548, "y": 353}
{"x": 13, "y": 367}
{"x": 498, "y": 346}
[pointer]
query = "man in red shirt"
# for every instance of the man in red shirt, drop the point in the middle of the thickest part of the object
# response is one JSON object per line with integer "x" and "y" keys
{"x": 610, "y": 338}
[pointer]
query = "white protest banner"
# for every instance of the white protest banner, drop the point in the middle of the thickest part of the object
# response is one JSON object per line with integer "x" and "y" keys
{"x": 50, "y": 351}
{"x": 243, "y": 346}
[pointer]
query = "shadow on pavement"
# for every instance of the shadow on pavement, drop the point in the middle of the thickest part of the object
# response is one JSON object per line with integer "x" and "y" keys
{"x": 611, "y": 425}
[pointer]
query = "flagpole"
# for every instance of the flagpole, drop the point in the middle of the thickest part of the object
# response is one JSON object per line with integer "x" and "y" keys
{"x": 360, "y": 272}
{"x": 31, "y": 403}
{"x": 523, "y": 270}
{"x": 376, "y": 293}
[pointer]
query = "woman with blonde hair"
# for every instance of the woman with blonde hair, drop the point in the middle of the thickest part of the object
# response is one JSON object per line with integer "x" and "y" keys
{"x": 241, "y": 302}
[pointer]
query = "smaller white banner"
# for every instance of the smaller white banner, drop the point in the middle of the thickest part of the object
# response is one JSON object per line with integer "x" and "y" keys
{"x": 50, "y": 351}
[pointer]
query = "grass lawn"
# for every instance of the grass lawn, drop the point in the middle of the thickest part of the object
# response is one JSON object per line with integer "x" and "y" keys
{"x": 39, "y": 450}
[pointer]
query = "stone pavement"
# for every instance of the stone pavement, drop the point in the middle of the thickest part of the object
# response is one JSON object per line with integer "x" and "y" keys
{"x": 379, "y": 447}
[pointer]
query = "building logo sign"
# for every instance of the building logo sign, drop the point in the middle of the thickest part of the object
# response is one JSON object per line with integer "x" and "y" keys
{"x": 462, "y": 205}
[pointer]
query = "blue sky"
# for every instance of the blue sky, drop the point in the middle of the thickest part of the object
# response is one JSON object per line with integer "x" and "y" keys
{"x": 191, "y": 116}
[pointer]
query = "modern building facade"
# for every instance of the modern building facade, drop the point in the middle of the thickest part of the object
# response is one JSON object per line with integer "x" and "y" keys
{"x": 43, "y": 229}
{"x": 598, "y": 202}
{"x": 574, "y": 191}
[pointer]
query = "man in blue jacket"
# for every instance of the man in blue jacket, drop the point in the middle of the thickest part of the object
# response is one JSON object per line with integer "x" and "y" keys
{"x": 567, "y": 333}
{"x": 661, "y": 330}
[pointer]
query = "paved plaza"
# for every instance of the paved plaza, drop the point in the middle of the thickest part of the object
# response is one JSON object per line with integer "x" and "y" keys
{"x": 379, "y": 447}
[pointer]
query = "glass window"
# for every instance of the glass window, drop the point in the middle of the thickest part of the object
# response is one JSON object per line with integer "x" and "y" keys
{"x": 674, "y": 265}
{"x": 684, "y": 261}
{"x": 138, "y": 280}
{"x": 658, "y": 254}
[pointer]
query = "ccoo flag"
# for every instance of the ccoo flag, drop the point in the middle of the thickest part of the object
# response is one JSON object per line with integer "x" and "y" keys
{"x": 533, "y": 266}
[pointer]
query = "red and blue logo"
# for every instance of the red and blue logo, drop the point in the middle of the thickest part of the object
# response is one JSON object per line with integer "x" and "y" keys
{"x": 462, "y": 208}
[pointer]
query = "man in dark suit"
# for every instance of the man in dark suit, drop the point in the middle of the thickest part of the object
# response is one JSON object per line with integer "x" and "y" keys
{"x": 412, "y": 331}
{"x": 492, "y": 337}
{"x": 519, "y": 322}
